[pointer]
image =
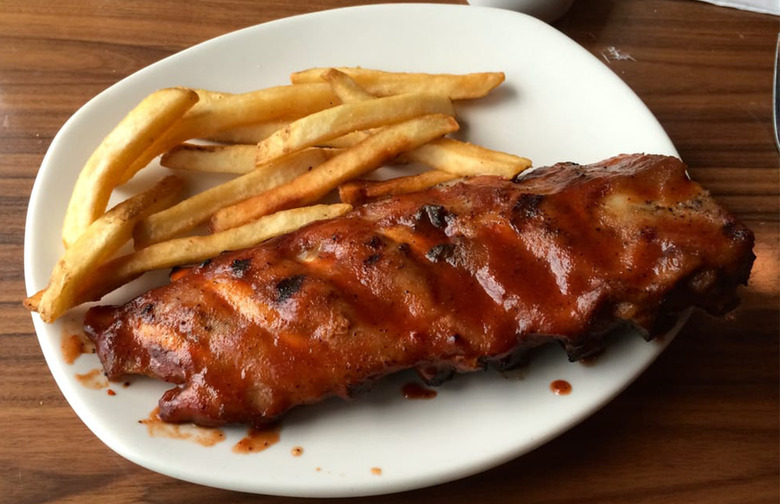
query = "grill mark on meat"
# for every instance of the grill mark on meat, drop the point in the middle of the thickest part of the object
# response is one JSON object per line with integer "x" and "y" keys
{"x": 435, "y": 215}
{"x": 528, "y": 206}
{"x": 441, "y": 252}
{"x": 288, "y": 287}
{"x": 240, "y": 266}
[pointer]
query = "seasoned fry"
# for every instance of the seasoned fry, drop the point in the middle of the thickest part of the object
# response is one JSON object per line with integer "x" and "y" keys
{"x": 197, "y": 209}
{"x": 104, "y": 169}
{"x": 358, "y": 192}
{"x": 249, "y": 134}
{"x": 353, "y": 162}
{"x": 342, "y": 119}
{"x": 345, "y": 87}
{"x": 380, "y": 83}
{"x": 194, "y": 249}
{"x": 102, "y": 239}
{"x": 239, "y": 158}
{"x": 465, "y": 159}
{"x": 220, "y": 111}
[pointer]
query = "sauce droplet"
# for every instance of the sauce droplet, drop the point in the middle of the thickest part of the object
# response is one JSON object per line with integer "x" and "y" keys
{"x": 204, "y": 436}
{"x": 257, "y": 440}
{"x": 297, "y": 451}
{"x": 417, "y": 391}
{"x": 560, "y": 387}
{"x": 376, "y": 470}
{"x": 110, "y": 392}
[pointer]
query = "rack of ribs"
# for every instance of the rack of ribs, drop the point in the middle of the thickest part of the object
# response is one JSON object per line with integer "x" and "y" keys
{"x": 450, "y": 279}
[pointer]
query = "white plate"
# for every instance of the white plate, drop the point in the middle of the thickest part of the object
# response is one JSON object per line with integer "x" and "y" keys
{"x": 559, "y": 103}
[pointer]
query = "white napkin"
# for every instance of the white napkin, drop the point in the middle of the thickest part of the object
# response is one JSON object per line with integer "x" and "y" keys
{"x": 763, "y": 6}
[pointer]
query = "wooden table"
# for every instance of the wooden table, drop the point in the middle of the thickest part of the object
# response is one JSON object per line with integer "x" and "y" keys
{"x": 700, "y": 426}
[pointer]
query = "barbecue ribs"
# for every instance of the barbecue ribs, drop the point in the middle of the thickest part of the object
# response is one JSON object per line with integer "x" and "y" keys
{"x": 444, "y": 280}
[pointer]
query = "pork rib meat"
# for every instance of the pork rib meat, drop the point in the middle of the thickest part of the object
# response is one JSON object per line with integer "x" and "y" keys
{"x": 444, "y": 280}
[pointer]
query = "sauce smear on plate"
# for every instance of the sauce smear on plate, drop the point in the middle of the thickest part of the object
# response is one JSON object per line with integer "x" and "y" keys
{"x": 205, "y": 436}
{"x": 257, "y": 440}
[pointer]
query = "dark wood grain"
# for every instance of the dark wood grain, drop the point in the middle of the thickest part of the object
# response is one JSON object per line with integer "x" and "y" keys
{"x": 701, "y": 425}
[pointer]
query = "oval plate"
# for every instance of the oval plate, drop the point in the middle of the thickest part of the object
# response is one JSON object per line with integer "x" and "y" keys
{"x": 559, "y": 103}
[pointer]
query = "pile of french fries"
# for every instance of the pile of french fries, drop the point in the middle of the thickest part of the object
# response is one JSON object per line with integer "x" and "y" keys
{"x": 288, "y": 147}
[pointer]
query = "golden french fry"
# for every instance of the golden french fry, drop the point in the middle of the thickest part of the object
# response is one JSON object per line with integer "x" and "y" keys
{"x": 466, "y": 159}
{"x": 238, "y": 158}
{"x": 32, "y": 302}
{"x": 194, "y": 249}
{"x": 345, "y": 87}
{"x": 381, "y": 83}
{"x": 353, "y": 162}
{"x": 342, "y": 119}
{"x": 358, "y": 192}
{"x": 102, "y": 239}
{"x": 374, "y": 117}
{"x": 220, "y": 111}
{"x": 104, "y": 169}
{"x": 197, "y": 209}
{"x": 207, "y": 97}
{"x": 348, "y": 140}
{"x": 348, "y": 91}
{"x": 249, "y": 134}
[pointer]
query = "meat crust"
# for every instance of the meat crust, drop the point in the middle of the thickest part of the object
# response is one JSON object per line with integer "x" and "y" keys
{"x": 445, "y": 280}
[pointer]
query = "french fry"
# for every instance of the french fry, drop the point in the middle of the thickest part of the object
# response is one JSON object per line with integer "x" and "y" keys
{"x": 353, "y": 162}
{"x": 381, "y": 83}
{"x": 358, "y": 192}
{"x": 348, "y": 140}
{"x": 342, "y": 119}
{"x": 261, "y": 105}
{"x": 466, "y": 159}
{"x": 207, "y": 97}
{"x": 345, "y": 87}
{"x": 194, "y": 249}
{"x": 238, "y": 158}
{"x": 197, "y": 209}
{"x": 105, "y": 168}
{"x": 220, "y": 111}
{"x": 290, "y": 145}
{"x": 101, "y": 240}
{"x": 249, "y": 134}
{"x": 348, "y": 91}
